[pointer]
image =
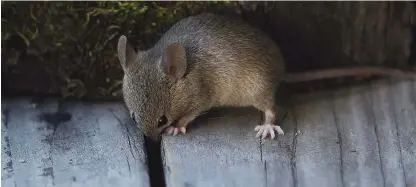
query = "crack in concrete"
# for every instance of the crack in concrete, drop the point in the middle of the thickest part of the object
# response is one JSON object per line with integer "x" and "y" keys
{"x": 393, "y": 108}
{"x": 293, "y": 156}
{"x": 339, "y": 140}
{"x": 127, "y": 136}
{"x": 373, "y": 119}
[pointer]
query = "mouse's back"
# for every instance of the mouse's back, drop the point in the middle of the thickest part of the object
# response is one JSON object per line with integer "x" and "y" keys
{"x": 226, "y": 56}
{"x": 218, "y": 39}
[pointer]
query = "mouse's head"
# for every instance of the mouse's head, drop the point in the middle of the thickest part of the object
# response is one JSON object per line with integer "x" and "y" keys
{"x": 148, "y": 79}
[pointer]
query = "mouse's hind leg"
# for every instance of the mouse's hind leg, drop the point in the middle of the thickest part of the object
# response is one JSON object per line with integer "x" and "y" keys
{"x": 269, "y": 127}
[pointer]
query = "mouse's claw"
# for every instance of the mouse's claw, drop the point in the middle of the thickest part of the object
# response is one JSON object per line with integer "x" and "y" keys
{"x": 169, "y": 130}
{"x": 182, "y": 129}
{"x": 174, "y": 130}
{"x": 266, "y": 129}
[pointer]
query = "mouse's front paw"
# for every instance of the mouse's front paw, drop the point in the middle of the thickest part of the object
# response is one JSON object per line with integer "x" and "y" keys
{"x": 266, "y": 129}
{"x": 173, "y": 131}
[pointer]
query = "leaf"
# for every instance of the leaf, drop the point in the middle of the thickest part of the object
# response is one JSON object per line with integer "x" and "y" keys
{"x": 27, "y": 42}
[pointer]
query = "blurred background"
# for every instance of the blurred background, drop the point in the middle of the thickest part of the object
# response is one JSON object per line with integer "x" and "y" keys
{"x": 68, "y": 49}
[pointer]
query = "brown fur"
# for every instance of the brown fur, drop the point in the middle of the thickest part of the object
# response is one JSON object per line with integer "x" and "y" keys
{"x": 207, "y": 61}
{"x": 228, "y": 63}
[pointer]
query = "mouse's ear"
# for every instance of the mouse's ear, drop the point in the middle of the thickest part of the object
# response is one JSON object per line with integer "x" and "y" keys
{"x": 174, "y": 60}
{"x": 126, "y": 53}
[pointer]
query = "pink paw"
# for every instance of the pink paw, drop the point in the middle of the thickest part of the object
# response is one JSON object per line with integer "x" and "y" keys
{"x": 174, "y": 130}
{"x": 266, "y": 129}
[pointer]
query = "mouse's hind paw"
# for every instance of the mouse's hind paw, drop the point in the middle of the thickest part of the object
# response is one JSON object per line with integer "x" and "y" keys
{"x": 268, "y": 129}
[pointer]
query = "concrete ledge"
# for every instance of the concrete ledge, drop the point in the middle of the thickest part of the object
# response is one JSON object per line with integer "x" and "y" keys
{"x": 70, "y": 144}
{"x": 359, "y": 136}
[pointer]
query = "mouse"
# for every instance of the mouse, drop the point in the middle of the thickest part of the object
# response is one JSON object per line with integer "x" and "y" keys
{"x": 205, "y": 61}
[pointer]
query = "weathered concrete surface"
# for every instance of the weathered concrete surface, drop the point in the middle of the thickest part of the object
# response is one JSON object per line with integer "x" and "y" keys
{"x": 223, "y": 154}
{"x": 70, "y": 144}
{"x": 360, "y": 136}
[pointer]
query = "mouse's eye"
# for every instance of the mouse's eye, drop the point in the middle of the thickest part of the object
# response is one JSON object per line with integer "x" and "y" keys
{"x": 132, "y": 117}
{"x": 162, "y": 121}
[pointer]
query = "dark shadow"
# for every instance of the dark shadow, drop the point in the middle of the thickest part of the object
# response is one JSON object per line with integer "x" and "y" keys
{"x": 154, "y": 162}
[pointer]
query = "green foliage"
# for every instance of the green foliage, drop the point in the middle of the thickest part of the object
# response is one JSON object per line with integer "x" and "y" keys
{"x": 76, "y": 41}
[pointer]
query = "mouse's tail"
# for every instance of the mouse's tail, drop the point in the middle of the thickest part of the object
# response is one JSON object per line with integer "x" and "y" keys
{"x": 346, "y": 72}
